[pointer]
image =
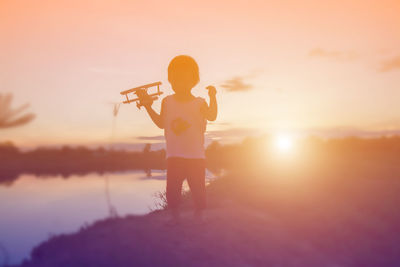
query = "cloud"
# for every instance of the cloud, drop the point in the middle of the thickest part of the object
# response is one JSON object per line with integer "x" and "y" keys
{"x": 237, "y": 84}
{"x": 333, "y": 54}
{"x": 233, "y": 133}
{"x": 216, "y": 123}
{"x": 390, "y": 64}
{"x": 150, "y": 138}
{"x": 342, "y": 132}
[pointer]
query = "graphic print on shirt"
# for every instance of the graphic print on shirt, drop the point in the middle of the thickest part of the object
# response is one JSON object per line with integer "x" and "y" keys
{"x": 179, "y": 125}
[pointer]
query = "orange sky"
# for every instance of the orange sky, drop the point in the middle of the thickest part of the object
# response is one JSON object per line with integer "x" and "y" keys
{"x": 309, "y": 66}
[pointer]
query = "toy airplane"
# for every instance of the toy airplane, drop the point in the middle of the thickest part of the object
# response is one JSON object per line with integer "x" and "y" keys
{"x": 141, "y": 90}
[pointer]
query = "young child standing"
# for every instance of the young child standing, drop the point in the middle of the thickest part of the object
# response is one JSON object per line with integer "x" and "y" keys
{"x": 184, "y": 118}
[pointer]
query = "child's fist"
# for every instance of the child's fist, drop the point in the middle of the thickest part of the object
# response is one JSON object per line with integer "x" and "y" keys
{"x": 211, "y": 91}
{"x": 144, "y": 98}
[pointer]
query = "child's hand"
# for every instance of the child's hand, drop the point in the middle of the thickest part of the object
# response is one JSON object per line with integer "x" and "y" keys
{"x": 212, "y": 109}
{"x": 211, "y": 91}
{"x": 144, "y": 98}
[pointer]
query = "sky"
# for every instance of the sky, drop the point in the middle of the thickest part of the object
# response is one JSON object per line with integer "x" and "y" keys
{"x": 308, "y": 67}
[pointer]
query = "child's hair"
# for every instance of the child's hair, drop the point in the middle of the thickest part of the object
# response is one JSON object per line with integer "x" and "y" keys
{"x": 183, "y": 69}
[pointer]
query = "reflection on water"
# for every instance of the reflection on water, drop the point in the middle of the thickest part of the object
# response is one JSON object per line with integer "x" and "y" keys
{"x": 35, "y": 207}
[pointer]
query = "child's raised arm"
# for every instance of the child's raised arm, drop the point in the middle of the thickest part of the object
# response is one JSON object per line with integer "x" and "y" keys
{"x": 212, "y": 110}
{"x": 155, "y": 117}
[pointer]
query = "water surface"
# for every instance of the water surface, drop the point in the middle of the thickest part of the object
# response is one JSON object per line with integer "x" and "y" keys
{"x": 35, "y": 207}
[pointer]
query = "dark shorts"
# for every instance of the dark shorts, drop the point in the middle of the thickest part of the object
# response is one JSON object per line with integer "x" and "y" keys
{"x": 194, "y": 170}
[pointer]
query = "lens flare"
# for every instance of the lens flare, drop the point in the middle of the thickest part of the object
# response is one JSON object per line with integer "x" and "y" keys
{"x": 284, "y": 143}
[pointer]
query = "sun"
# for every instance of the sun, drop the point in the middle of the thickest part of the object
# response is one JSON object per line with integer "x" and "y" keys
{"x": 283, "y": 143}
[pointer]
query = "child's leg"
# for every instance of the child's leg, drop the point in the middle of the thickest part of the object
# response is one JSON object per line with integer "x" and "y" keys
{"x": 174, "y": 185}
{"x": 197, "y": 183}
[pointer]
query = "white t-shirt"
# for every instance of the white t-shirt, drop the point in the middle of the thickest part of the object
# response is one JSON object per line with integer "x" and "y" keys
{"x": 184, "y": 127}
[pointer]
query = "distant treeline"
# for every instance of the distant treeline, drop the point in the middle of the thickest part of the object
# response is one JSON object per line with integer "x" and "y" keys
{"x": 250, "y": 154}
{"x": 309, "y": 155}
{"x": 78, "y": 160}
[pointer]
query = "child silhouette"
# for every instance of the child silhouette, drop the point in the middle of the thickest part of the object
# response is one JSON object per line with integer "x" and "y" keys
{"x": 184, "y": 118}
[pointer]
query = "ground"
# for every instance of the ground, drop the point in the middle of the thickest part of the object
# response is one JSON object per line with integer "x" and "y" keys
{"x": 249, "y": 222}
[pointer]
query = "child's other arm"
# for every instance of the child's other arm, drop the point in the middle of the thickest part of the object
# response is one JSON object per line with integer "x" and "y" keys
{"x": 211, "y": 113}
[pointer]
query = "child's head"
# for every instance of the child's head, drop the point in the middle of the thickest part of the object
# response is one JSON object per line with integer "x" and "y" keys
{"x": 183, "y": 73}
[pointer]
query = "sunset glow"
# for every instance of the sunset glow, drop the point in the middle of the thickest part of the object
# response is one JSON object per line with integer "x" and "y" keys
{"x": 284, "y": 143}
{"x": 199, "y": 133}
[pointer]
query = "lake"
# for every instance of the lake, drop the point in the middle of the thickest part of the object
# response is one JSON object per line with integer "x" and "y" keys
{"x": 35, "y": 207}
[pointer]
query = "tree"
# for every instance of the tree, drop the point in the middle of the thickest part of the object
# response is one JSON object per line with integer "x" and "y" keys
{"x": 13, "y": 117}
